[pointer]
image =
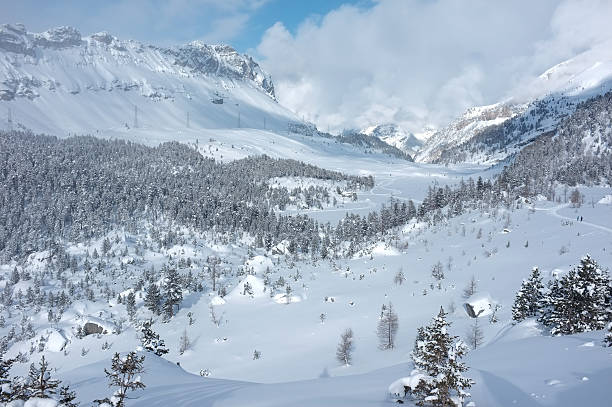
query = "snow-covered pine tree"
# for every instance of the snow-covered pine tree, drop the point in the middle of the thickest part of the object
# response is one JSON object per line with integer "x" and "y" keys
{"x": 344, "y": 351}
{"x": 150, "y": 339}
{"x": 39, "y": 382}
{"x": 578, "y": 302}
{"x": 67, "y": 397}
{"x": 608, "y": 338}
{"x": 387, "y": 327}
{"x": 173, "y": 293}
{"x": 6, "y": 391}
{"x": 152, "y": 299}
{"x": 130, "y": 305}
{"x": 125, "y": 375}
{"x": 420, "y": 336}
{"x": 437, "y": 357}
{"x": 528, "y": 299}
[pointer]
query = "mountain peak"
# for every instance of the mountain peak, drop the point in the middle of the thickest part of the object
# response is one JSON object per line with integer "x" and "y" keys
{"x": 395, "y": 135}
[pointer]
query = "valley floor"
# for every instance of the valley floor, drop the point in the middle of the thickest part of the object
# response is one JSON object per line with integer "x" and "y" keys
{"x": 516, "y": 365}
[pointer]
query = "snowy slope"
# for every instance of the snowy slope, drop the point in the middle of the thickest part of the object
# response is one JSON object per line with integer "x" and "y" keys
{"x": 489, "y": 134}
{"x": 297, "y": 349}
{"x": 60, "y": 82}
{"x": 534, "y": 376}
{"x": 464, "y": 128}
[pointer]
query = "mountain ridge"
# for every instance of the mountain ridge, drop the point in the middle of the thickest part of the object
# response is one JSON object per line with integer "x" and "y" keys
{"x": 490, "y": 134}
{"x": 60, "y": 82}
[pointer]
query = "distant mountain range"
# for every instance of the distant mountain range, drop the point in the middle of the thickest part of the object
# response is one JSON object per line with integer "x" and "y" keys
{"x": 60, "y": 81}
{"x": 395, "y": 136}
{"x": 490, "y": 134}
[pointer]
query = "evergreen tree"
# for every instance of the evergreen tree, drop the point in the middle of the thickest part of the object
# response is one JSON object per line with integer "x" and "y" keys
{"x": 173, "y": 293}
{"x": 67, "y": 397}
{"x": 6, "y": 391}
{"x": 420, "y": 337}
{"x": 437, "y": 356}
{"x": 387, "y": 328}
{"x": 608, "y": 338}
{"x": 130, "y": 305}
{"x": 150, "y": 339}
{"x": 528, "y": 300}
{"x": 579, "y": 301}
{"x": 106, "y": 246}
{"x": 124, "y": 374}
{"x": 152, "y": 299}
{"x": 39, "y": 382}
{"x": 344, "y": 351}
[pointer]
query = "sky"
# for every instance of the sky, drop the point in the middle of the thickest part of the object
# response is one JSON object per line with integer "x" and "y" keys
{"x": 352, "y": 64}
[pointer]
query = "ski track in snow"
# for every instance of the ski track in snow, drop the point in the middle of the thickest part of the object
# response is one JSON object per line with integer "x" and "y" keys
{"x": 555, "y": 212}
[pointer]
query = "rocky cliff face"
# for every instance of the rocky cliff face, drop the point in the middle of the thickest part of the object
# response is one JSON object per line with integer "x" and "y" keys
{"x": 27, "y": 62}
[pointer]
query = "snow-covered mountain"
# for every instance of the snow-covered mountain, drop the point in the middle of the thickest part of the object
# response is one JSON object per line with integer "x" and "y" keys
{"x": 489, "y": 134}
{"x": 59, "y": 81}
{"x": 466, "y": 127}
{"x": 396, "y": 136}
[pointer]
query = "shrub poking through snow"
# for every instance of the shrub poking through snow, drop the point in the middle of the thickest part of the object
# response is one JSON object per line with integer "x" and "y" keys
{"x": 184, "y": 342}
{"x": 125, "y": 376}
{"x": 344, "y": 352}
{"x": 150, "y": 339}
{"x": 387, "y": 327}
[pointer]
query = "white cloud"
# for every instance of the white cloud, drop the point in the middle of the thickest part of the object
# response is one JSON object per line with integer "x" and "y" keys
{"x": 422, "y": 62}
{"x": 162, "y": 22}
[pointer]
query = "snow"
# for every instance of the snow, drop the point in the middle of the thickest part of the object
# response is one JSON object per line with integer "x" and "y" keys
{"x": 606, "y": 200}
{"x": 396, "y": 136}
{"x": 216, "y": 300}
{"x": 397, "y": 388}
{"x": 67, "y": 87}
{"x": 286, "y": 299}
{"x": 33, "y": 402}
{"x": 482, "y": 304}
{"x": 258, "y": 264}
{"x": 238, "y": 293}
{"x": 518, "y": 364}
{"x": 296, "y": 347}
{"x": 382, "y": 249}
{"x": 55, "y": 341}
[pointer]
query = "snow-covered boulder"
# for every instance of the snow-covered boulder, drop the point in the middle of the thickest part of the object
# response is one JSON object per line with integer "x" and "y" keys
{"x": 249, "y": 287}
{"x": 399, "y": 387}
{"x": 258, "y": 264}
{"x": 92, "y": 325}
{"x": 33, "y": 402}
{"x": 55, "y": 340}
{"x": 606, "y": 200}
{"x": 479, "y": 305}
{"x": 217, "y": 300}
{"x": 286, "y": 299}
